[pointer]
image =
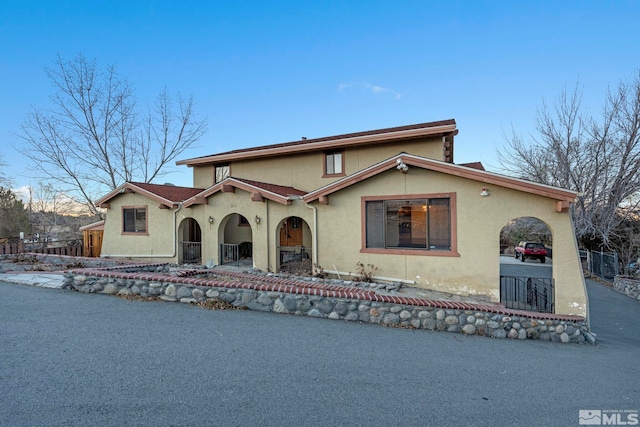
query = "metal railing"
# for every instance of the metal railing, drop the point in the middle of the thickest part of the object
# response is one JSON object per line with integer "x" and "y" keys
{"x": 527, "y": 293}
{"x": 229, "y": 253}
{"x": 191, "y": 252}
{"x": 293, "y": 253}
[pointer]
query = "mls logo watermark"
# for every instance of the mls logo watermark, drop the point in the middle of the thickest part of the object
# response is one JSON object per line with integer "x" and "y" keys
{"x": 599, "y": 417}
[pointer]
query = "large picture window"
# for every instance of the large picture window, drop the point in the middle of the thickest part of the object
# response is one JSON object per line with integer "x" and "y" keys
{"x": 416, "y": 223}
{"x": 134, "y": 219}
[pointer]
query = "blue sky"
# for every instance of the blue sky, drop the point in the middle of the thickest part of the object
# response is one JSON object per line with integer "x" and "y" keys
{"x": 270, "y": 72}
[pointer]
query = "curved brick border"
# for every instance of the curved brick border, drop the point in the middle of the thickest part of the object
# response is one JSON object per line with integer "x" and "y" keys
{"x": 480, "y": 319}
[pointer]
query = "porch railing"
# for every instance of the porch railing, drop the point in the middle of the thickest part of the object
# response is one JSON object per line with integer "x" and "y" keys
{"x": 293, "y": 253}
{"x": 229, "y": 253}
{"x": 191, "y": 252}
{"x": 527, "y": 293}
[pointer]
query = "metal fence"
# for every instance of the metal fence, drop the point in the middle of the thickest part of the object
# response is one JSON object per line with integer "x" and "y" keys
{"x": 229, "y": 253}
{"x": 527, "y": 293}
{"x": 293, "y": 253}
{"x": 191, "y": 252}
{"x": 602, "y": 264}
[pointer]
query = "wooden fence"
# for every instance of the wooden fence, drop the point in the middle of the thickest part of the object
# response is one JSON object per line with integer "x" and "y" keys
{"x": 73, "y": 248}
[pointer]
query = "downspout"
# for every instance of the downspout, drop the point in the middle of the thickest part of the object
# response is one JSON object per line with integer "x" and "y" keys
{"x": 341, "y": 273}
{"x": 268, "y": 247}
{"x": 175, "y": 238}
{"x": 314, "y": 238}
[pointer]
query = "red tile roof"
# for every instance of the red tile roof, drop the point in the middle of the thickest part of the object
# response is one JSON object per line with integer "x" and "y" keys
{"x": 473, "y": 165}
{"x": 172, "y": 193}
{"x": 273, "y": 188}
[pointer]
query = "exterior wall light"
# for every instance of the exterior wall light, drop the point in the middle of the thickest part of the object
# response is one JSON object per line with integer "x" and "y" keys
{"x": 402, "y": 167}
{"x": 484, "y": 192}
{"x": 257, "y": 219}
{"x": 210, "y": 219}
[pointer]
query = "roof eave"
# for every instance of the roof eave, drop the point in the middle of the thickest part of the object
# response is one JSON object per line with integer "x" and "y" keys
{"x": 325, "y": 144}
{"x": 554, "y": 193}
{"x": 249, "y": 188}
{"x": 102, "y": 202}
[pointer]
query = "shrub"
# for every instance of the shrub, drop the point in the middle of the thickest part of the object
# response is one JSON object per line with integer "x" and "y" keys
{"x": 364, "y": 272}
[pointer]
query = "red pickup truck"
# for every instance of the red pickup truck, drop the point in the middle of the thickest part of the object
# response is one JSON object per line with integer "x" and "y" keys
{"x": 531, "y": 250}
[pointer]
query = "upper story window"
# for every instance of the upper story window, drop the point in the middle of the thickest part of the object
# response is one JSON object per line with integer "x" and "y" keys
{"x": 221, "y": 172}
{"x": 417, "y": 223}
{"x": 334, "y": 163}
{"x": 134, "y": 219}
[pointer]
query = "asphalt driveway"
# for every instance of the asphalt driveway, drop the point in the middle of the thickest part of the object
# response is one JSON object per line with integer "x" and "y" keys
{"x": 75, "y": 359}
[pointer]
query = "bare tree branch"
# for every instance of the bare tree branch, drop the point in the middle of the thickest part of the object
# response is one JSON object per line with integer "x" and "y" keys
{"x": 596, "y": 156}
{"x": 92, "y": 139}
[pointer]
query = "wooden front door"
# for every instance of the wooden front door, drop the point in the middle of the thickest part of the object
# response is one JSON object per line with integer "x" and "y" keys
{"x": 291, "y": 232}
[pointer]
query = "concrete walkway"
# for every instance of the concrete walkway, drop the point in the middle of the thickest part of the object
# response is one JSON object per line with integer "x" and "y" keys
{"x": 51, "y": 280}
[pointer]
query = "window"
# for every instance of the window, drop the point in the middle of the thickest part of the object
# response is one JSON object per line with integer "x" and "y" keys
{"x": 134, "y": 219}
{"x": 334, "y": 163}
{"x": 415, "y": 223}
{"x": 222, "y": 172}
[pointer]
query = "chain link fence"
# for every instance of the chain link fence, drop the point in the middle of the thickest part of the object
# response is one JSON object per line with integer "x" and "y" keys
{"x": 602, "y": 264}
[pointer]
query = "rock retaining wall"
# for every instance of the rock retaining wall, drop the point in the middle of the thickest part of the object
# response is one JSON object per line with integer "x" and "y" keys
{"x": 627, "y": 286}
{"x": 333, "y": 302}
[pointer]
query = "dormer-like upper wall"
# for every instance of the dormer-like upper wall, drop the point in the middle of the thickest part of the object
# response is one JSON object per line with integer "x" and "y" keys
{"x": 313, "y": 163}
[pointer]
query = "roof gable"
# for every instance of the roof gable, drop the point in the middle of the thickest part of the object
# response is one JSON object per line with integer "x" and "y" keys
{"x": 442, "y": 127}
{"x": 166, "y": 195}
{"x": 563, "y": 197}
{"x": 258, "y": 190}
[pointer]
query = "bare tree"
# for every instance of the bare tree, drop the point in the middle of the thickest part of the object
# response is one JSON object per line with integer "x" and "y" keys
{"x": 93, "y": 139}
{"x": 48, "y": 206}
{"x": 5, "y": 181}
{"x": 596, "y": 156}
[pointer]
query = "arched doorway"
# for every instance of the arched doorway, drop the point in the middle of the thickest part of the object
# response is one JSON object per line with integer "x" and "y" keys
{"x": 294, "y": 246}
{"x": 190, "y": 242}
{"x": 236, "y": 240}
{"x": 526, "y": 267}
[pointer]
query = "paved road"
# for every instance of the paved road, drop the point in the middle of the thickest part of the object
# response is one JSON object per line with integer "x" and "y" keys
{"x": 74, "y": 359}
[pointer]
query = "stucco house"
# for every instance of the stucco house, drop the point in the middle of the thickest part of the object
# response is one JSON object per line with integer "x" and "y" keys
{"x": 392, "y": 198}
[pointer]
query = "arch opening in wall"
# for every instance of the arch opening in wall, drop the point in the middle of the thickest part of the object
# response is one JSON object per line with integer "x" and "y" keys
{"x": 190, "y": 242}
{"x": 294, "y": 246}
{"x": 235, "y": 235}
{"x": 526, "y": 267}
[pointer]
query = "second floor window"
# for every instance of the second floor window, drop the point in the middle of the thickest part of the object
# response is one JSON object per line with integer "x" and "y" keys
{"x": 333, "y": 163}
{"x": 222, "y": 172}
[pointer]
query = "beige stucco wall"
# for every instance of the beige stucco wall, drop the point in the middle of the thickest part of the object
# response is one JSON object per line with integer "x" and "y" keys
{"x": 479, "y": 221}
{"x": 304, "y": 171}
{"x": 475, "y": 270}
{"x": 224, "y": 206}
{"x": 203, "y": 176}
{"x": 156, "y": 245}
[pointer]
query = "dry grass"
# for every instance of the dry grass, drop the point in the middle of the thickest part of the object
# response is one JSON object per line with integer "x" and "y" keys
{"x": 214, "y": 304}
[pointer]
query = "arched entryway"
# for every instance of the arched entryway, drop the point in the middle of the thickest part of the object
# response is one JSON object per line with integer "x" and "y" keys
{"x": 294, "y": 246}
{"x": 526, "y": 267}
{"x": 236, "y": 240}
{"x": 190, "y": 242}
